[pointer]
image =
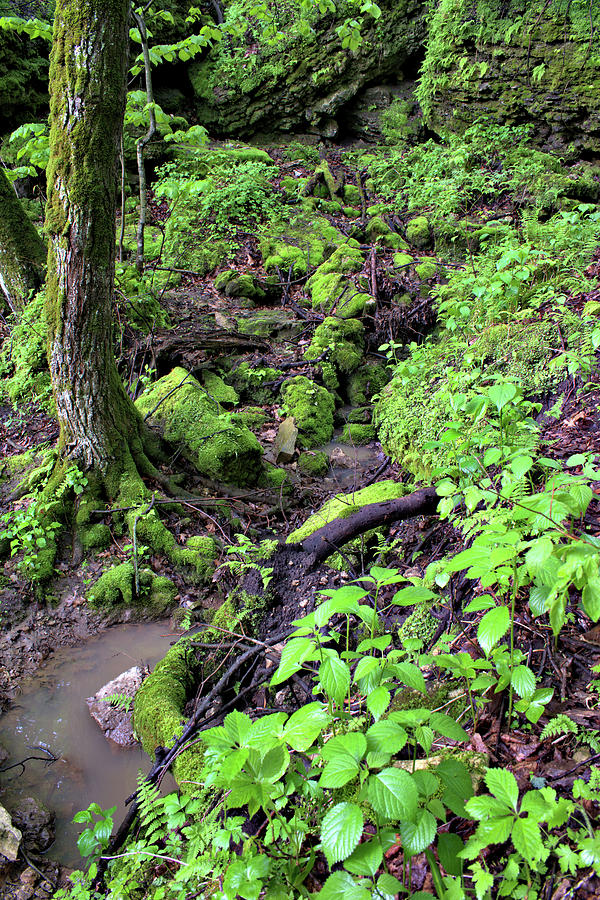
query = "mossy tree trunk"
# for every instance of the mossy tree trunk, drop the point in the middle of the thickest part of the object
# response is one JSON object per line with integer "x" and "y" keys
{"x": 99, "y": 424}
{"x": 22, "y": 252}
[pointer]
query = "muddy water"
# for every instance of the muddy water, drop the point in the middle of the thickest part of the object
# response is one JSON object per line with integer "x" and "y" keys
{"x": 51, "y": 711}
{"x": 350, "y": 477}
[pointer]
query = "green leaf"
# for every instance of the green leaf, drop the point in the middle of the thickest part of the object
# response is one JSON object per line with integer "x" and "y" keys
{"x": 334, "y": 675}
{"x": 527, "y": 839}
{"x": 86, "y": 843}
{"x": 273, "y": 765}
{"x": 501, "y": 394}
{"x": 305, "y": 725}
{"x": 341, "y": 831}
{"x": 386, "y": 737}
{"x": 448, "y": 727}
{"x": 237, "y": 727}
{"x": 417, "y": 836}
{"x": 412, "y": 595}
{"x": 343, "y": 755}
{"x": 342, "y": 886}
{"x": 449, "y": 845}
{"x": 520, "y": 465}
{"x": 378, "y": 701}
{"x": 523, "y": 681}
{"x": 393, "y": 794}
{"x": 293, "y": 655}
{"x": 591, "y": 598}
{"x": 493, "y": 627}
{"x": 366, "y": 859}
{"x": 503, "y": 785}
{"x": 411, "y": 676}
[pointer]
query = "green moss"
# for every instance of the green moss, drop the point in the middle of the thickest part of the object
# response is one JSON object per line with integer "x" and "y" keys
{"x": 207, "y": 552}
{"x": 343, "y": 340}
{"x": 115, "y": 586}
{"x": 426, "y": 269}
{"x": 24, "y": 361}
{"x": 351, "y": 194}
{"x": 218, "y": 390}
{"x": 312, "y": 407}
{"x": 343, "y": 505}
{"x": 274, "y": 477}
{"x": 248, "y": 381}
{"x": 419, "y": 624}
{"x": 377, "y": 231}
{"x": 402, "y": 260}
{"x": 236, "y": 284}
{"x": 366, "y": 381}
{"x": 360, "y": 416}
{"x": 314, "y": 463}
{"x": 252, "y": 416}
{"x": 219, "y": 447}
{"x": 158, "y": 709}
{"x": 358, "y": 434}
{"x": 418, "y": 232}
{"x": 305, "y": 239}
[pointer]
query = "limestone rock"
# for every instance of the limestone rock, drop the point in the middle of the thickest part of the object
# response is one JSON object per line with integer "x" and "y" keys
{"x": 285, "y": 442}
{"x": 115, "y": 721}
{"x": 10, "y": 837}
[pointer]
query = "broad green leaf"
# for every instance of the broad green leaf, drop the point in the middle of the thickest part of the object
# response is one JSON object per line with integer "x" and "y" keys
{"x": 304, "y": 726}
{"x": 417, "y": 836}
{"x": 412, "y": 595}
{"x": 502, "y": 393}
{"x": 492, "y": 628}
{"x": 343, "y": 754}
{"x": 334, "y": 675}
{"x": 527, "y": 839}
{"x": 426, "y": 782}
{"x": 341, "y": 831}
{"x": 503, "y": 785}
{"x": 591, "y": 598}
{"x": 476, "y": 560}
{"x": 238, "y": 727}
{"x": 523, "y": 681}
{"x": 411, "y": 676}
{"x": 387, "y": 886}
{"x": 487, "y": 807}
{"x": 520, "y": 465}
{"x": 393, "y": 794}
{"x": 378, "y": 701}
{"x": 365, "y": 666}
{"x": 480, "y": 603}
{"x": 449, "y": 845}
{"x": 274, "y": 764}
{"x": 386, "y": 737}
{"x": 293, "y": 655}
{"x": 342, "y": 886}
{"x": 448, "y": 727}
{"x": 366, "y": 859}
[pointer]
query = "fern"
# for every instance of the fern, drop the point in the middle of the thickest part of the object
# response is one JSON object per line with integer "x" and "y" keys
{"x": 152, "y": 813}
{"x": 559, "y": 725}
{"x": 119, "y": 701}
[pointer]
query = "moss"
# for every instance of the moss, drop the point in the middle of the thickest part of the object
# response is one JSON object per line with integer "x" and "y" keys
{"x": 274, "y": 477}
{"x": 24, "y": 362}
{"x": 360, "y": 416}
{"x": 162, "y": 594}
{"x": 419, "y": 624}
{"x": 351, "y": 194}
{"x": 358, "y": 434}
{"x": 158, "y": 708}
{"x": 22, "y": 253}
{"x": 252, "y": 416}
{"x": 207, "y": 551}
{"x": 343, "y": 505}
{"x": 350, "y": 212}
{"x": 426, "y": 269}
{"x": 305, "y": 240}
{"x": 115, "y": 586}
{"x": 219, "y": 447}
{"x": 218, "y": 390}
{"x": 418, "y": 233}
{"x": 343, "y": 340}
{"x": 312, "y": 408}
{"x": 314, "y": 463}
{"x": 269, "y": 323}
{"x": 366, "y": 381}
{"x": 236, "y": 284}
{"x": 249, "y": 380}
{"x": 376, "y": 231}
{"x": 402, "y": 260}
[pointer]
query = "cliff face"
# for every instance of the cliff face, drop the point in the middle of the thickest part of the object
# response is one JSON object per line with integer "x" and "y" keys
{"x": 303, "y": 82}
{"x": 516, "y": 61}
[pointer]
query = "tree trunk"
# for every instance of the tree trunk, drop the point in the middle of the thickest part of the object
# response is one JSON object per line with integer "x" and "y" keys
{"x": 99, "y": 423}
{"x": 22, "y": 252}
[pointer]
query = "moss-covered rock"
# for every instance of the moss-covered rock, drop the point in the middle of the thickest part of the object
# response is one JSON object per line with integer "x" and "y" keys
{"x": 306, "y": 239}
{"x": 376, "y": 231}
{"x": 220, "y": 391}
{"x": 358, "y": 434}
{"x": 343, "y": 505}
{"x": 366, "y": 381}
{"x": 343, "y": 340}
{"x": 254, "y": 384}
{"x": 219, "y": 447}
{"x": 239, "y": 284}
{"x": 426, "y": 269}
{"x": 402, "y": 260}
{"x": 207, "y": 550}
{"x": 269, "y": 323}
{"x": 116, "y": 587}
{"x": 418, "y": 232}
{"x": 314, "y": 463}
{"x": 312, "y": 407}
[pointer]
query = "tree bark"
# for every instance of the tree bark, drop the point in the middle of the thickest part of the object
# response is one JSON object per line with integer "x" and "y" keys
{"x": 99, "y": 423}
{"x": 22, "y": 251}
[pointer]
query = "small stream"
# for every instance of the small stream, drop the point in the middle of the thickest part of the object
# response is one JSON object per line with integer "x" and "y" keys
{"x": 51, "y": 711}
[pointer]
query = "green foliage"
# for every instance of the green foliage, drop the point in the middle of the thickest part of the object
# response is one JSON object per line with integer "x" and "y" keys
{"x": 96, "y": 836}
{"x": 23, "y": 363}
{"x": 245, "y": 555}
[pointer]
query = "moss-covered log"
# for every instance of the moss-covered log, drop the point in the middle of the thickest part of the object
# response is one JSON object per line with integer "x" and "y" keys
{"x": 22, "y": 252}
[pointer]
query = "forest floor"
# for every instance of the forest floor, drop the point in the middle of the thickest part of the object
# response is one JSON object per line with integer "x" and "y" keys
{"x": 203, "y": 332}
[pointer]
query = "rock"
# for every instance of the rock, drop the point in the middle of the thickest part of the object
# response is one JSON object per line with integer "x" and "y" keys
{"x": 36, "y": 824}
{"x": 3, "y": 755}
{"x": 417, "y": 232}
{"x": 285, "y": 442}
{"x": 115, "y": 721}
{"x": 10, "y": 837}
{"x": 341, "y": 459}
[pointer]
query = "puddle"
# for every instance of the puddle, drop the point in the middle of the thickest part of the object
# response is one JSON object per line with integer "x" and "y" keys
{"x": 346, "y": 478}
{"x": 51, "y": 711}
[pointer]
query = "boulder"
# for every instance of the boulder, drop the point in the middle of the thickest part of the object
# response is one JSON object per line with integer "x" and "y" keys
{"x": 10, "y": 837}
{"x": 36, "y": 824}
{"x": 115, "y": 718}
{"x": 285, "y": 442}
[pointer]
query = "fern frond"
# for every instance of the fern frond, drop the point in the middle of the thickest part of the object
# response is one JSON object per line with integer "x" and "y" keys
{"x": 559, "y": 725}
